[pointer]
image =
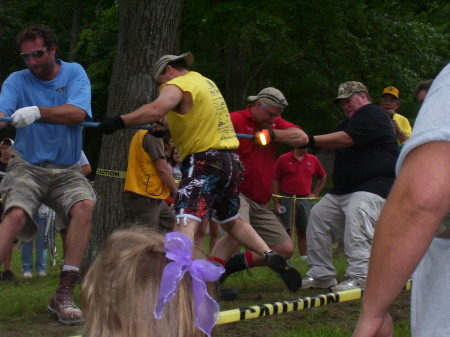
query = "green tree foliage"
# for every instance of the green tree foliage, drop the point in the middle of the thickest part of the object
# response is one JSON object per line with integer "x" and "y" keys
{"x": 307, "y": 48}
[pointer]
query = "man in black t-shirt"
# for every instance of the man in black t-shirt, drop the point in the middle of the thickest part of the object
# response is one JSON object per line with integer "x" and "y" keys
{"x": 366, "y": 152}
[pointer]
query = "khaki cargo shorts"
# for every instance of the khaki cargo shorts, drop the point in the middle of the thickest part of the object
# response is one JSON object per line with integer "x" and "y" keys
{"x": 28, "y": 186}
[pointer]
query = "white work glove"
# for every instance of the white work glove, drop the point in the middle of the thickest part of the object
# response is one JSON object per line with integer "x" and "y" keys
{"x": 25, "y": 116}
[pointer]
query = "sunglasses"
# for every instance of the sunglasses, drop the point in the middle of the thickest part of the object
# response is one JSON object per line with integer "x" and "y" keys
{"x": 37, "y": 54}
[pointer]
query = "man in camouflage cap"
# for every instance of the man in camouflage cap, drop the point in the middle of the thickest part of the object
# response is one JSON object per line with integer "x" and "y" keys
{"x": 366, "y": 152}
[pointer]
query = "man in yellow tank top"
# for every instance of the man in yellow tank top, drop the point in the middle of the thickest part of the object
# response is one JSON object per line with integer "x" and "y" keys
{"x": 202, "y": 131}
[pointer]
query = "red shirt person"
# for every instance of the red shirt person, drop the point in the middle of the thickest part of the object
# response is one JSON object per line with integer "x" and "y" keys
{"x": 263, "y": 115}
{"x": 293, "y": 176}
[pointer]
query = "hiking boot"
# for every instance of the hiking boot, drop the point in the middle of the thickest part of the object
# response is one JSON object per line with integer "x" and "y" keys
{"x": 8, "y": 275}
{"x": 353, "y": 283}
{"x": 290, "y": 276}
{"x": 62, "y": 305}
{"x": 235, "y": 264}
{"x": 310, "y": 282}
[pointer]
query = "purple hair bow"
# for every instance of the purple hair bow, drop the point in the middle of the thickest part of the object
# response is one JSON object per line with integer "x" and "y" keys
{"x": 178, "y": 248}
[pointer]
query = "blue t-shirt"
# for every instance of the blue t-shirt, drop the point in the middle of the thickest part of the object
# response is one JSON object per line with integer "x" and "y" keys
{"x": 38, "y": 143}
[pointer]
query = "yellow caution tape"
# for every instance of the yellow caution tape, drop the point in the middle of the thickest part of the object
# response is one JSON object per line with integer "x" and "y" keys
{"x": 111, "y": 173}
{"x": 294, "y": 197}
{"x": 268, "y": 309}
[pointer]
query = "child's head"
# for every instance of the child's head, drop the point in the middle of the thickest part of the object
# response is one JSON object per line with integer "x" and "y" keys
{"x": 121, "y": 289}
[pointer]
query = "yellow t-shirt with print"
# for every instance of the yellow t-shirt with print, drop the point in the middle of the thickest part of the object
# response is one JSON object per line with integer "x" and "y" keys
{"x": 207, "y": 125}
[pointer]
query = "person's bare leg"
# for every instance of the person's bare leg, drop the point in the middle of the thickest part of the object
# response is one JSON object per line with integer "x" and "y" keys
{"x": 285, "y": 249}
{"x": 214, "y": 231}
{"x": 244, "y": 234}
{"x": 10, "y": 227}
{"x": 200, "y": 233}
{"x": 187, "y": 226}
{"x": 225, "y": 247}
{"x": 302, "y": 244}
{"x": 76, "y": 237}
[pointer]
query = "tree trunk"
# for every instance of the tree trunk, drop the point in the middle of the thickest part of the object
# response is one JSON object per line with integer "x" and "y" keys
{"x": 75, "y": 30}
{"x": 147, "y": 30}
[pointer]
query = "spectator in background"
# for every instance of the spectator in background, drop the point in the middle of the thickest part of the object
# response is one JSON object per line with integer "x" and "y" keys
{"x": 39, "y": 242}
{"x": 149, "y": 182}
{"x": 390, "y": 103}
{"x": 421, "y": 90}
{"x": 366, "y": 150}
{"x": 294, "y": 172}
{"x": 168, "y": 146}
{"x": 6, "y": 274}
{"x": 407, "y": 240}
{"x": 175, "y": 165}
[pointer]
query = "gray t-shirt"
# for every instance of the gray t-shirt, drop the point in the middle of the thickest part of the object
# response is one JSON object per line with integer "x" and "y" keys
{"x": 430, "y": 297}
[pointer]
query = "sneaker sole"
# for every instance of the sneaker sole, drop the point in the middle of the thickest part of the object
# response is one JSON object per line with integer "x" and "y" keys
{"x": 317, "y": 286}
{"x": 56, "y": 314}
{"x": 290, "y": 276}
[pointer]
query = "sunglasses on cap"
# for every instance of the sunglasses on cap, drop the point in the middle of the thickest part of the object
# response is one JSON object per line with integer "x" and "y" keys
{"x": 37, "y": 54}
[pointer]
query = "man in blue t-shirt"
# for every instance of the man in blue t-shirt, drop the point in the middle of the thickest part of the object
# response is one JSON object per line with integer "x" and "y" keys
{"x": 45, "y": 166}
{"x": 366, "y": 151}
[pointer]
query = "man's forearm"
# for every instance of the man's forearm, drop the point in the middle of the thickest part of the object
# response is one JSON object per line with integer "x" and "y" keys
{"x": 418, "y": 201}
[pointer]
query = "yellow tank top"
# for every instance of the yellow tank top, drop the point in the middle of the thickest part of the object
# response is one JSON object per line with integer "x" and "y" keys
{"x": 142, "y": 176}
{"x": 207, "y": 125}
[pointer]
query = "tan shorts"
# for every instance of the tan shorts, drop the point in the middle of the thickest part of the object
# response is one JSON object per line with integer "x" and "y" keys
{"x": 264, "y": 221}
{"x": 28, "y": 186}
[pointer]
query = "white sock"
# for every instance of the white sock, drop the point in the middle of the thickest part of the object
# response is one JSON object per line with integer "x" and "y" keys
{"x": 67, "y": 268}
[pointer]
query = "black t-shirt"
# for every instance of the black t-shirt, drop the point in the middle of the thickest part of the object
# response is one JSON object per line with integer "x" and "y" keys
{"x": 369, "y": 165}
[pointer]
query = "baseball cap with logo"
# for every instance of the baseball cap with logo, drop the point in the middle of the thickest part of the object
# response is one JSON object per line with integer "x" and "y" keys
{"x": 347, "y": 89}
{"x": 271, "y": 96}
{"x": 166, "y": 59}
{"x": 392, "y": 91}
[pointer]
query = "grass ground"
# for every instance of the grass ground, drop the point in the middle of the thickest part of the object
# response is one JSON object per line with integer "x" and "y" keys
{"x": 23, "y": 307}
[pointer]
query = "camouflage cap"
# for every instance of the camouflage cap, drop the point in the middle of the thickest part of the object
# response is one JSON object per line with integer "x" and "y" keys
{"x": 391, "y": 91}
{"x": 347, "y": 89}
{"x": 166, "y": 59}
{"x": 271, "y": 96}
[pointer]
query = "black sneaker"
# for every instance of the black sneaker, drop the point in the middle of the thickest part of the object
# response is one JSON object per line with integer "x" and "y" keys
{"x": 290, "y": 276}
{"x": 8, "y": 275}
{"x": 235, "y": 264}
{"x": 228, "y": 294}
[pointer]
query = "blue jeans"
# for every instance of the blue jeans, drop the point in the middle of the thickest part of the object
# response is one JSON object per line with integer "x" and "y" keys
{"x": 41, "y": 249}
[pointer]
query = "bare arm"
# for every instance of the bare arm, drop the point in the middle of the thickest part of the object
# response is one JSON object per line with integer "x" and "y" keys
{"x": 169, "y": 98}
{"x": 166, "y": 175}
{"x": 63, "y": 114}
{"x": 337, "y": 139}
{"x": 86, "y": 169}
{"x": 291, "y": 136}
{"x": 319, "y": 186}
{"x": 276, "y": 190}
{"x": 418, "y": 202}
